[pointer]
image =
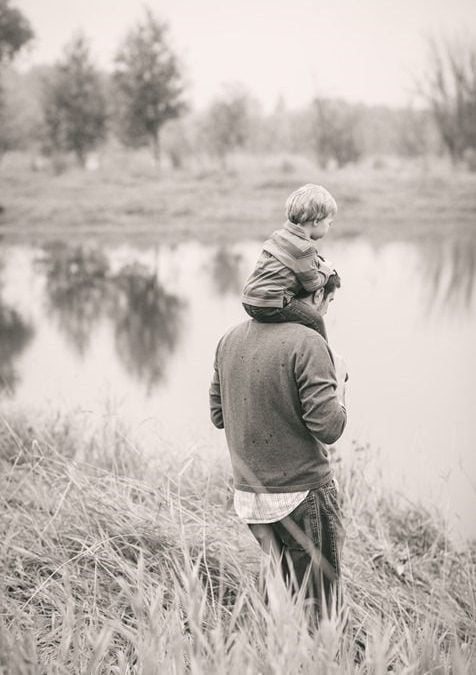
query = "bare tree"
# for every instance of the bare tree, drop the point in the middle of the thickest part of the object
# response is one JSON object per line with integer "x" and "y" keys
{"x": 415, "y": 132}
{"x": 74, "y": 103}
{"x": 149, "y": 83}
{"x": 335, "y": 131}
{"x": 449, "y": 88}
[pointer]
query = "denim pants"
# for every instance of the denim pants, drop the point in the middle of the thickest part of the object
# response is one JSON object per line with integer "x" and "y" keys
{"x": 296, "y": 311}
{"x": 307, "y": 546}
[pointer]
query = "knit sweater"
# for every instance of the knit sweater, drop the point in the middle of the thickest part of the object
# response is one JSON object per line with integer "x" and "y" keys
{"x": 274, "y": 392}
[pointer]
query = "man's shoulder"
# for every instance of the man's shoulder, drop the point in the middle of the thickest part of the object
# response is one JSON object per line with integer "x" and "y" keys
{"x": 299, "y": 334}
{"x": 289, "y": 342}
{"x": 235, "y": 331}
{"x": 286, "y": 331}
{"x": 300, "y": 343}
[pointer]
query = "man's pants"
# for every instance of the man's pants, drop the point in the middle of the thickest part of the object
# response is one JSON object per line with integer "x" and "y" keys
{"x": 307, "y": 545}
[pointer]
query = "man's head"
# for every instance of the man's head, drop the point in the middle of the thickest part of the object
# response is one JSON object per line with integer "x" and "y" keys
{"x": 310, "y": 204}
{"x": 322, "y": 298}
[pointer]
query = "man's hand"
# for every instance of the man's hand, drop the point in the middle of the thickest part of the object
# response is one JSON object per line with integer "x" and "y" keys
{"x": 341, "y": 376}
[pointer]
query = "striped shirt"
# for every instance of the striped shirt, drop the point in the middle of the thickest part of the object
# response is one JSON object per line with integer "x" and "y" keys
{"x": 289, "y": 263}
{"x": 266, "y": 507}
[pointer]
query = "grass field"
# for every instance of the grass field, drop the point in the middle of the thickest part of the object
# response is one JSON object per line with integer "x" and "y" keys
{"x": 111, "y": 564}
{"x": 128, "y": 198}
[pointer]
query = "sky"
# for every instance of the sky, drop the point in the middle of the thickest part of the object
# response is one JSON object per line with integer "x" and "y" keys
{"x": 361, "y": 50}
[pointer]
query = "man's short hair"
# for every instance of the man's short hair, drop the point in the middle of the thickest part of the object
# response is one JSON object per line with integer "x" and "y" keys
{"x": 331, "y": 284}
{"x": 310, "y": 202}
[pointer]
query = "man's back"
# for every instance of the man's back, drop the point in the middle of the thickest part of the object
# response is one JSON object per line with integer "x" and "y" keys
{"x": 274, "y": 390}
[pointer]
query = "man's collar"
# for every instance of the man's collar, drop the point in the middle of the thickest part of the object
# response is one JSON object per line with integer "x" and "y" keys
{"x": 298, "y": 230}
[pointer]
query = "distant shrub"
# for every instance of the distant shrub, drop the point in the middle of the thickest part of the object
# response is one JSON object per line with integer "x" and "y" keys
{"x": 335, "y": 132}
{"x": 470, "y": 159}
{"x": 379, "y": 164}
{"x": 287, "y": 166}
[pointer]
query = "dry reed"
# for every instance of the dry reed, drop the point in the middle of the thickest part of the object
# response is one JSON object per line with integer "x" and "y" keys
{"x": 110, "y": 565}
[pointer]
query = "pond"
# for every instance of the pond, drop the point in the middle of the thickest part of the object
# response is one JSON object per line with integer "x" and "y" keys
{"x": 131, "y": 331}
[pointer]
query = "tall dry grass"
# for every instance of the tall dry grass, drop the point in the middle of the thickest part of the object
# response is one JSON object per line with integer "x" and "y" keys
{"x": 111, "y": 564}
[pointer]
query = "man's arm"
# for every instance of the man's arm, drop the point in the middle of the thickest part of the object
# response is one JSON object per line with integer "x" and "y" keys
{"x": 216, "y": 412}
{"x": 322, "y": 413}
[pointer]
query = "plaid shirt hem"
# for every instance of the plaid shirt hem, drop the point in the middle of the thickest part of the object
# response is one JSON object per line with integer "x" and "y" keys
{"x": 264, "y": 507}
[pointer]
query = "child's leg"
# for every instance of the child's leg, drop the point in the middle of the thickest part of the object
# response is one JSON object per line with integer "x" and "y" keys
{"x": 265, "y": 314}
{"x": 296, "y": 311}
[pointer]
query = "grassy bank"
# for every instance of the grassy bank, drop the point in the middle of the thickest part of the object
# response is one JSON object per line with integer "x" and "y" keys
{"x": 114, "y": 564}
{"x": 128, "y": 198}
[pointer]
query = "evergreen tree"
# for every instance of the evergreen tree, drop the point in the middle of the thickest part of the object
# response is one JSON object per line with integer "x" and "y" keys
{"x": 149, "y": 84}
{"x": 15, "y": 32}
{"x": 74, "y": 103}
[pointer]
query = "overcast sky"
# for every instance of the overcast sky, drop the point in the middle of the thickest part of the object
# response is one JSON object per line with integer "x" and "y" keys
{"x": 366, "y": 50}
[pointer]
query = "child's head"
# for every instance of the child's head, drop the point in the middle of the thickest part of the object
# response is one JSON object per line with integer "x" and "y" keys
{"x": 310, "y": 203}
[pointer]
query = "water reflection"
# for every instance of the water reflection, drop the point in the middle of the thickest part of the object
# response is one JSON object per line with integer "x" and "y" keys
{"x": 449, "y": 273}
{"x": 15, "y": 335}
{"x": 78, "y": 290}
{"x": 226, "y": 272}
{"x": 146, "y": 323}
{"x": 82, "y": 290}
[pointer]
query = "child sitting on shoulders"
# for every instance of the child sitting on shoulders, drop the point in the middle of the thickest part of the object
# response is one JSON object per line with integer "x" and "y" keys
{"x": 290, "y": 264}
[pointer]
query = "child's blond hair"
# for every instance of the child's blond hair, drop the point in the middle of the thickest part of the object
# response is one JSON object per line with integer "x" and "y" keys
{"x": 310, "y": 202}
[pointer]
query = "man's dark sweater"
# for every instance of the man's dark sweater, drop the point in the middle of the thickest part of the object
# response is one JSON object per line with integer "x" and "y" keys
{"x": 274, "y": 392}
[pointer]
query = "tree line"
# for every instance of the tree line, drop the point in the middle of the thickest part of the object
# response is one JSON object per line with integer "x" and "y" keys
{"x": 73, "y": 107}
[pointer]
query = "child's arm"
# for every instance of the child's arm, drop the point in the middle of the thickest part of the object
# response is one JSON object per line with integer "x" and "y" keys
{"x": 311, "y": 269}
{"x": 317, "y": 275}
{"x": 325, "y": 267}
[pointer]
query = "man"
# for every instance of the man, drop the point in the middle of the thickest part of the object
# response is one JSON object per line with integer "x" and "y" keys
{"x": 276, "y": 392}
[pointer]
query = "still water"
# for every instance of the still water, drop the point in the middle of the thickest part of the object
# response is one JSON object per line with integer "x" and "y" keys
{"x": 130, "y": 332}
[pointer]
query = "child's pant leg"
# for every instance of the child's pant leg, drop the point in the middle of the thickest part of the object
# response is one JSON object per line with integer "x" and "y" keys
{"x": 298, "y": 311}
{"x": 295, "y": 311}
{"x": 265, "y": 314}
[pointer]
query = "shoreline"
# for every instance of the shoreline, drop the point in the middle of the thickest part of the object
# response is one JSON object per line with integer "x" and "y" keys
{"x": 126, "y": 199}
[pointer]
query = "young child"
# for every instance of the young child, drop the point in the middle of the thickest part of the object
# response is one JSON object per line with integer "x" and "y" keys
{"x": 289, "y": 262}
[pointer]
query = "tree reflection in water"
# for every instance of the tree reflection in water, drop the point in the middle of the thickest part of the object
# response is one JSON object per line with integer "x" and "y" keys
{"x": 450, "y": 275}
{"x": 147, "y": 323}
{"x": 15, "y": 335}
{"x": 78, "y": 289}
{"x": 225, "y": 270}
{"x": 82, "y": 290}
